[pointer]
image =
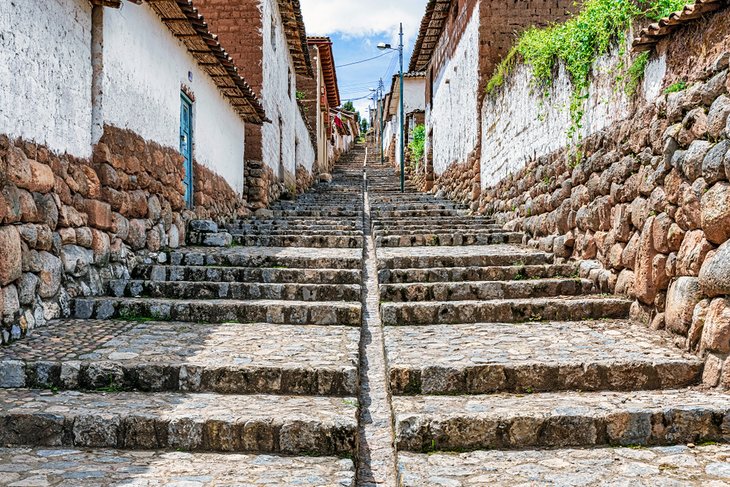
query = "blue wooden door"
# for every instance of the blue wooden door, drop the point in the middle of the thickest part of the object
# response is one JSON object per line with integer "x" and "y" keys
{"x": 186, "y": 145}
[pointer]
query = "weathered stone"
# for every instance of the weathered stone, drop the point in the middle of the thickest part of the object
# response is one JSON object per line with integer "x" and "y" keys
{"x": 713, "y": 166}
{"x": 76, "y": 260}
{"x": 692, "y": 165}
{"x": 644, "y": 284}
{"x": 716, "y": 213}
{"x": 699, "y": 316}
{"x": 713, "y": 370}
{"x": 683, "y": 296}
{"x": 675, "y": 236}
{"x": 154, "y": 208}
{"x": 204, "y": 226}
{"x": 47, "y": 209}
{"x": 50, "y": 275}
{"x": 715, "y": 272}
{"x": 10, "y": 305}
{"x": 692, "y": 253}
{"x": 716, "y": 332}
{"x": 83, "y": 237}
{"x": 718, "y": 116}
{"x": 101, "y": 247}
{"x": 137, "y": 238}
{"x": 27, "y": 286}
{"x": 660, "y": 233}
{"x": 99, "y": 214}
{"x": 10, "y": 249}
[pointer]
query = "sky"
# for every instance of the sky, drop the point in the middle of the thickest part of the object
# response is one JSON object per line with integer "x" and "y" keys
{"x": 356, "y": 28}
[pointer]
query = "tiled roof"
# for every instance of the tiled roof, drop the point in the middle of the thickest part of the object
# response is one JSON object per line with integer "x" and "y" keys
{"x": 183, "y": 20}
{"x": 651, "y": 35}
{"x": 432, "y": 25}
{"x": 324, "y": 44}
{"x": 296, "y": 35}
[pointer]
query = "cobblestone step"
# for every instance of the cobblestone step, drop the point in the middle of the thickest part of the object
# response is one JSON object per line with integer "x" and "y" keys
{"x": 159, "y": 356}
{"x": 449, "y": 239}
{"x": 248, "y": 274}
{"x": 484, "y": 290}
{"x": 558, "y": 420}
{"x": 285, "y": 257}
{"x": 82, "y": 467}
{"x": 314, "y": 241}
{"x": 189, "y": 422}
{"x": 318, "y": 213}
{"x": 236, "y": 290}
{"x": 220, "y": 311}
{"x": 287, "y": 230}
{"x": 641, "y": 467}
{"x": 558, "y": 308}
{"x": 495, "y": 357}
{"x": 466, "y": 256}
{"x": 415, "y": 229}
{"x": 461, "y": 274}
{"x": 414, "y": 213}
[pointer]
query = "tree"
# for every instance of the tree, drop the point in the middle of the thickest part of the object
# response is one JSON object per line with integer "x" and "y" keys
{"x": 350, "y": 107}
{"x": 363, "y": 125}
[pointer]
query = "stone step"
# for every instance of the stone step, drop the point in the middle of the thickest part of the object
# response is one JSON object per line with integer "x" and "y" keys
{"x": 414, "y": 213}
{"x": 161, "y": 356}
{"x": 538, "y": 357}
{"x": 561, "y": 419}
{"x": 449, "y": 239}
{"x": 484, "y": 290}
{"x": 318, "y": 213}
{"x": 462, "y": 274}
{"x": 248, "y": 274}
{"x": 189, "y": 422}
{"x": 415, "y": 229}
{"x": 558, "y": 308}
{"x": 83, "y": 467}
{"x": 440, "y": 220}
{"x": 312, "y": 241}
{"x": 285, "y": 257}
{"x": 220, "y": 311}
{"x": 288, "y": 230}
{"x": 640, "y": 467}
{"x": 302, "y": 222}
{"x": 235, "y": 290}
{"x": 462, "y": 256}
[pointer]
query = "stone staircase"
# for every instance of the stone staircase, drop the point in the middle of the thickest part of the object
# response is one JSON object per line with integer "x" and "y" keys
{"x": 209, "y": 365}
{"x": 508, "y": 367}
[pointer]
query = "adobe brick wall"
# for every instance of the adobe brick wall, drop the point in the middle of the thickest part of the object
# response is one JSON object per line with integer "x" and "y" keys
{"x": 68, "y": 225}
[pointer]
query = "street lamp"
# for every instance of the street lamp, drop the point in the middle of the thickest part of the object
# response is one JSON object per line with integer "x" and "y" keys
{"x": 383, "y": 47}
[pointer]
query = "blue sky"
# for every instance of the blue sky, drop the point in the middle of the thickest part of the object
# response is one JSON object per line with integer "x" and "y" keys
{"x": 356, "y": 27}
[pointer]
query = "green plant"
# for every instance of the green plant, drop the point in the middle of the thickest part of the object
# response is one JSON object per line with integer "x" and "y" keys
{"x": 112, "y": 387}
{"x": 577, "y": 43}
{"x": 635, "y": 73}
{"x": 663, "y": 8}
{"x": 675, "y": 87}
{"x": 418, "y": 144}
{"x": 301, "y": 95}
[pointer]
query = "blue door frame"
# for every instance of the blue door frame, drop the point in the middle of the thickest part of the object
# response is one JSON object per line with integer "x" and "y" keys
{"x": 186, "y": 145}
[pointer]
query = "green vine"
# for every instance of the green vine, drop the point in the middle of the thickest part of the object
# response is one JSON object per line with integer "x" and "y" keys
{"x": 418, "y": 144}
{"x": 635, "y": 73}
{"x": 577, "y": 43}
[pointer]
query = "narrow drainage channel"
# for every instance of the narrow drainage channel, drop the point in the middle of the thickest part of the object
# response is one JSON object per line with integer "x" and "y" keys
{"x": 376, "y": 456}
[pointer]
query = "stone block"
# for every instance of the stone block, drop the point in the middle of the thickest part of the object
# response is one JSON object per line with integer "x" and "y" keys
{"x": 203, "y": 226}
{"x": 683, "y": 296}
{"x": 27, "y": 287}
{"x": 644, "y": 285}
{"x": 713, "y": 166}
{"x": 716, "y": 213}
{"x": 41, "y": 179}
{"x": 712, "y": 370}
{"x": 692, "y": 253}
{"x": 99, "y": 214}
{"x": 11, "y": 251}
{"x": 137, "y": 237}
{"x": 76, "y": 260}
{"x": 718, "y": 116}
{"x": 715, "y": 272}
{"x": 716, "y": 332}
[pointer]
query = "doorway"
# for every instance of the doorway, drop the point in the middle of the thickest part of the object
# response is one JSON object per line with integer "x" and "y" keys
{"x": 186, "y": 145}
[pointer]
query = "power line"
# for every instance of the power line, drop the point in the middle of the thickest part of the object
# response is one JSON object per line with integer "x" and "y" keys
{"x": 363, "y": 61}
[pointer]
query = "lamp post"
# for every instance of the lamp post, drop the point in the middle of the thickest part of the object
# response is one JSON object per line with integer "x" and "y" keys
{"x": 381, "y": 107}
{"x": 382, "y": 47}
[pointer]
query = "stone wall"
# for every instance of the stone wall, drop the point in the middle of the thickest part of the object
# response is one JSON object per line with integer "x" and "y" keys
{"x": 68, "y": 225}
{"x": 644, "y": 202}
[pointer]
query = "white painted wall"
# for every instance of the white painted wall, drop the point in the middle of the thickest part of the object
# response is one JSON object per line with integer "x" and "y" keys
{"x": 145, "y": 67}
{"x": 45, "y": 73}
{"x": 454, "y": 114}
{"x": 277, "y": 95}
{"x": 414, "y": 99}
{"x": 519, "y": 124}
{"x": 305, "y": 153}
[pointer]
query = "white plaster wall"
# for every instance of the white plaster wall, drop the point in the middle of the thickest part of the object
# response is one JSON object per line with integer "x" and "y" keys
{"x": 305, "y": 153}
{"x": 275, "y": 94}
{"x": 454, "y": 114}
{"x": 519, "y": 124}
{"x": 45, "y": 73}
{"x": 414, "y": 98}
{"x": 145, "y": 67}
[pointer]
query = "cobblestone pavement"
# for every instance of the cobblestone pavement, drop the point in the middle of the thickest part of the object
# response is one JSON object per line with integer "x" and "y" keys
{"x": 707, "y": 466}
{"x": 249, "y": 348}
{"x": 506, "y": 352}
{"x": 24, "y": 467}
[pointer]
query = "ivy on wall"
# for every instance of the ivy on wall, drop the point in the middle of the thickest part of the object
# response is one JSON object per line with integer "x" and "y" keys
{"x": 577, "y": 43}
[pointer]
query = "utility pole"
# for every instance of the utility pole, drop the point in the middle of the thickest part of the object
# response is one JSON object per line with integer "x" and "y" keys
{"x": 402, "y": 119}
{"x": 381, "y": 106}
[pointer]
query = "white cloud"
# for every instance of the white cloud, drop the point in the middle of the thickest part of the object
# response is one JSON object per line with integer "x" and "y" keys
{"x": 363, "y": 18}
